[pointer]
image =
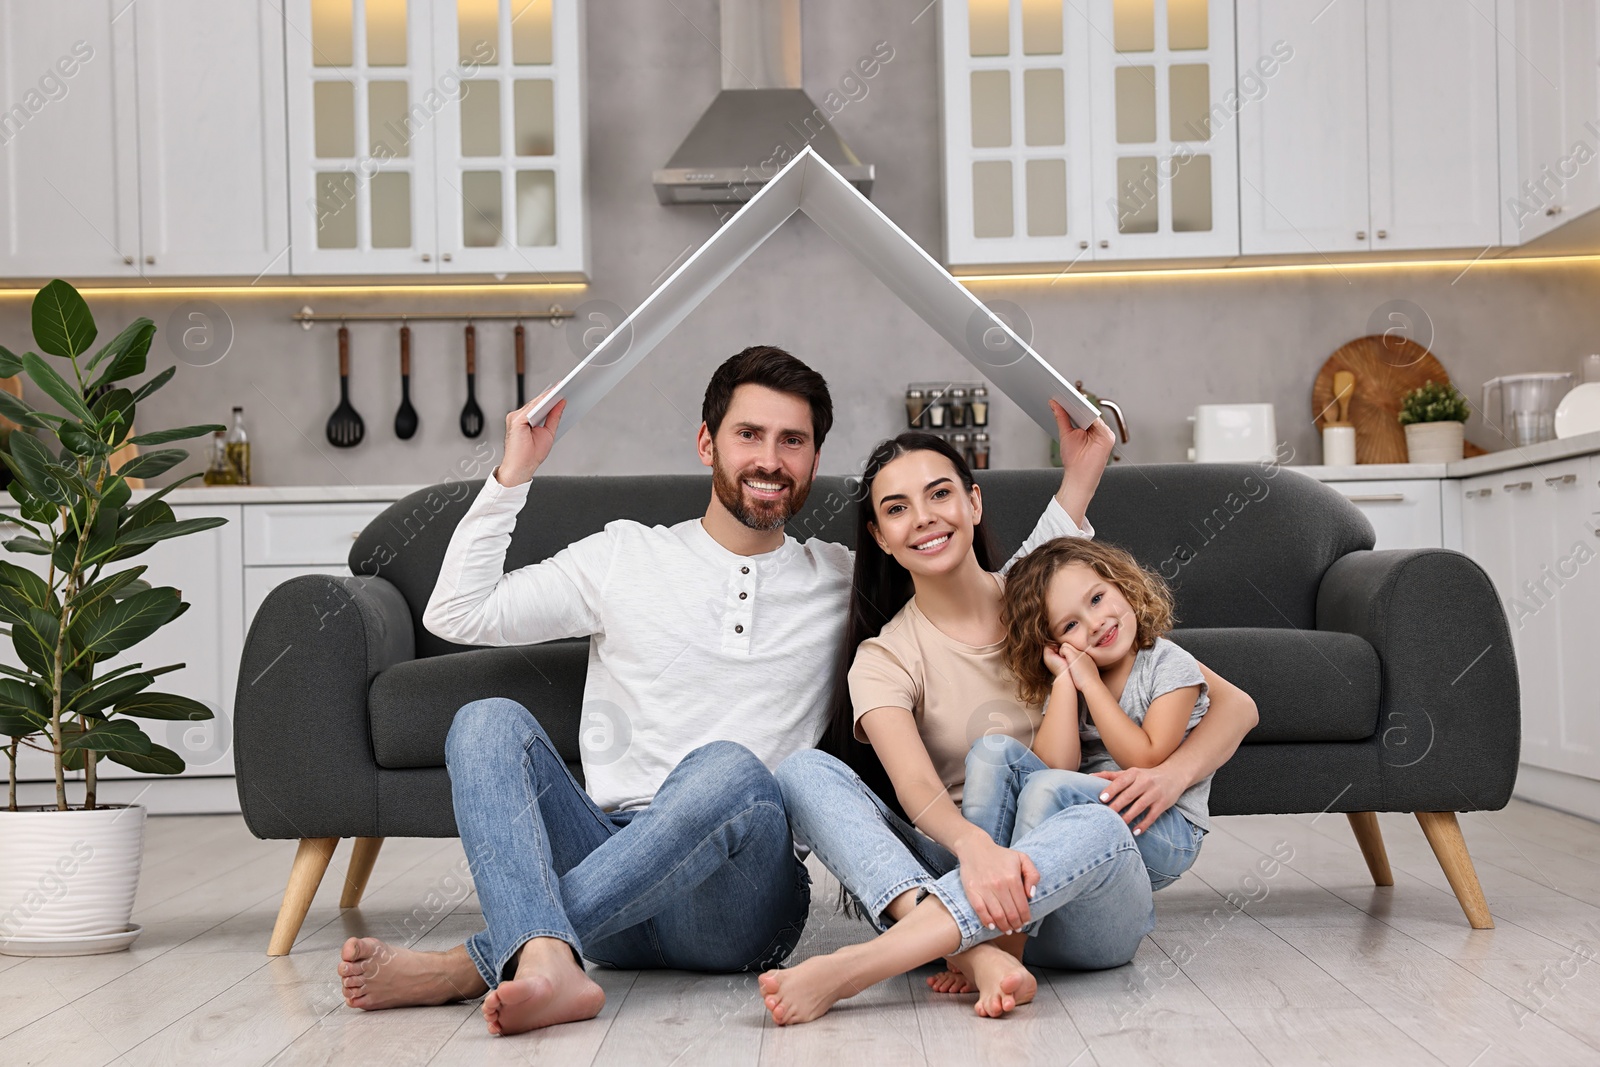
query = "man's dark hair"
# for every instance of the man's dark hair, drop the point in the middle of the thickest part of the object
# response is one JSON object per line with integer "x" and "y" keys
{"x": 775, "y": 369}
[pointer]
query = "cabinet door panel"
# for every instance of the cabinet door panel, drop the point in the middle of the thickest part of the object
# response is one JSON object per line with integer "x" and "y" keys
{"x": 1404, "y": 514}
{"x": 1303, "y": 144}
{"x": 1435, "y": 168}
{"x": 1566, "y": 588}
{"x": 68, "y": 183}
{"x": 213, "y": 197}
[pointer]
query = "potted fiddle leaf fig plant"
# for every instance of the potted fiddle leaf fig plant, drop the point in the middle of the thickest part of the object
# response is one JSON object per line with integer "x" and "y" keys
{"x": 1433, "y": 415}
{"x": 68, "y": 872}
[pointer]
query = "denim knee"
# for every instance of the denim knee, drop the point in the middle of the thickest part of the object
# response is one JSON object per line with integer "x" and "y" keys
{"x": 1047, "y": 792}
{"x": 735, "y": 770}
{"x": 494, "y": 724}
{"x": 995, "y": 752}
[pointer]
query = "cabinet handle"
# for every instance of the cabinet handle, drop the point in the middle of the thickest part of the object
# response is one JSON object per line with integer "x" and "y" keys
{"x": 445, "y": 257}
{"x": 1105, "y": 244}
{"x": 150, "y": 261}
{"x": 1513, "y": 486}
{"x": 128, "y": 260}
{"x": 1083, "y": 244}
{"x": 1485, "y": 491}
{"x": 355, "y": 534}
{"x": 1561, "y": 479}
{"x": 427, "y": 258}
{"x": 1553, "y": 209}
{"x": 1361, "y": 235}
{"x": 1377, "y": 498}
{"x": 1382, "y": 234}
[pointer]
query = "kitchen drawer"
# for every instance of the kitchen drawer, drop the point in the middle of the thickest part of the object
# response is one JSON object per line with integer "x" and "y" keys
{"x": 1405, "y": 514}
{"x": 259, "y": 581}
{"x": 302, "y": 534}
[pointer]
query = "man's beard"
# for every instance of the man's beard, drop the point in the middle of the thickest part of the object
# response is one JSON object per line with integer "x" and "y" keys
{"x": 754, "y": 513}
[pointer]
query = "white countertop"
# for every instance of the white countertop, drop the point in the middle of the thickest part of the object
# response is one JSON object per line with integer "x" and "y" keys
{"x": 280, "y": 494}
{"x": 1505, "y": 459}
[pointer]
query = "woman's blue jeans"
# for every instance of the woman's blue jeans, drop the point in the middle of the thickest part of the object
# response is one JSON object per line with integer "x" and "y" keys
{"x": 1010, "y": 791}
{"x": 1092, "y": 906}
{"x": 703, "y": 879}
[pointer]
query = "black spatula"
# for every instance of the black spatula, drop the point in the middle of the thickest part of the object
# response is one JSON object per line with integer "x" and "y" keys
{"x": 345, "y": 428}
{"x": 405, "y": 420}
{"x": 471, "y": 414}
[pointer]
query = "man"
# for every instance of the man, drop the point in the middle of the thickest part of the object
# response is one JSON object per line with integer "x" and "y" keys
{"x": 712, "y": 643}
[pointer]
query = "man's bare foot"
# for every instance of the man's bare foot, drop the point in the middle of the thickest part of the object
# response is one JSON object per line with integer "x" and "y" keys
{"x": 1003, "y": 982}
{"x": 952, "y": 979}
{"x": 550, "y": 987}
{"x": 807, "y": 990}
{"x": 376, "y": 975}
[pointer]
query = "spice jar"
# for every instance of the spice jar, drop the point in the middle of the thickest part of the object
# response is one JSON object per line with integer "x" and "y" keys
{"x": 963, "y": 445}
{"x": 980, "y": 405}
{"x": 980, "y": 451}
{"x": 938, "y": 413}
{"x": 958, "y": 406}
{"x": 916, "y": 404}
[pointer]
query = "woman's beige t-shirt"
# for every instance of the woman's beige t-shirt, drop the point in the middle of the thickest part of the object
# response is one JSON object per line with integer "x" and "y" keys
{"x": 956, "y": 692}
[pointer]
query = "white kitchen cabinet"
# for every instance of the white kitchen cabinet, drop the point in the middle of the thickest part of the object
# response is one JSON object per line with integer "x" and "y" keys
{"x": 68, "y": 144}
{"x": 213, "y": 196}
{"x": 1549, "y": 103}
{"x": 439, "y": 136}
{"x": 147, "y": 139}
{"x": 1404, "y": 514}
{"x": 1379, "y": 133}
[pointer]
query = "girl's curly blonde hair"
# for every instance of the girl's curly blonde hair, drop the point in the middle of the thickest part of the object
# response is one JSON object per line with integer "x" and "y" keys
{"x": 1026, "y": 618}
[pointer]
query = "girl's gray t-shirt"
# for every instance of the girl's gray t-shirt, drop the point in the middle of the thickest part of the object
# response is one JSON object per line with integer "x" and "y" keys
{"x": 1156, "y": 671}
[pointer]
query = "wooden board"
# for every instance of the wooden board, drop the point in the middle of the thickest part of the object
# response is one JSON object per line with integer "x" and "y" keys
{"x": 1386, "y": 369}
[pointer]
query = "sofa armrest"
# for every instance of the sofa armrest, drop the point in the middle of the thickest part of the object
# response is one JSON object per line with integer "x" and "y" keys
{"x": 302, "y": 749}
{"x": 1450, "y": 719}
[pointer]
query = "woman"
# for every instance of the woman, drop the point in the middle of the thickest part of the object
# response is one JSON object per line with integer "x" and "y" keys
{"x": 925, "y": 681}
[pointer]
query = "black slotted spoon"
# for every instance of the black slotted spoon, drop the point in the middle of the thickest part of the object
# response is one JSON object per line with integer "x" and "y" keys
{"x": 471, "y": 414}
{"x": 405, "y": 420}
{"x": 345, "y": 428}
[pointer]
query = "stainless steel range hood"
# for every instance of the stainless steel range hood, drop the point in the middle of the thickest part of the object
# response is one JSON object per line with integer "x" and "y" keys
{"x": 760, "y": 120}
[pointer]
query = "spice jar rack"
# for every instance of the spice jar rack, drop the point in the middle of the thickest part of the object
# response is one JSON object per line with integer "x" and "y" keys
{"x": 960, "y": 412}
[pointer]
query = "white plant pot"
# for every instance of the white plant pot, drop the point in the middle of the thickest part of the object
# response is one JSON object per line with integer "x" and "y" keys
{"x": 1434, "y": 442}
{"x": 68, "y": 879}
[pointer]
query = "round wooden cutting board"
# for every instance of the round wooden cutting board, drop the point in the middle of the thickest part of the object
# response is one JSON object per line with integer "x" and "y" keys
{"x": 1386, "y": 369}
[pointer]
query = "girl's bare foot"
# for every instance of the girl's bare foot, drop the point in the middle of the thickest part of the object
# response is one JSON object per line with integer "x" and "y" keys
{"x": 1003, "y": 982}
{"x": 807, "y": 990}
{"x": 550, "y": 987}
{"x": 952, "y": 979}
{"x": 376, "y": 975}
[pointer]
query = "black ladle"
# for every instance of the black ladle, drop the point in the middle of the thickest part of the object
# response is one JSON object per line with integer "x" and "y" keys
{"x": 405, "y": 420}
{"x": 345, "y": 428}
{"x": 471, "y": 414}
{"x": 522, "y": 358}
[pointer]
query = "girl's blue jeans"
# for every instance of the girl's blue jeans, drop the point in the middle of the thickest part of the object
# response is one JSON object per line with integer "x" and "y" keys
{"x": 1010, "y": 791}
{"x": 1092, "y": 906}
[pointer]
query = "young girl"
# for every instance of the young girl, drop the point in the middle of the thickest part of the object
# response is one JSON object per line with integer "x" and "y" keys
{"x": 1084, "y": 625}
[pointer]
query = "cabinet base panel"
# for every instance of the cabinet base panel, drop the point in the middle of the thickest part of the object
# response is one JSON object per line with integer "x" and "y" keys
{"x": 218, "y": 795}
{"x": 1556, "y": 789}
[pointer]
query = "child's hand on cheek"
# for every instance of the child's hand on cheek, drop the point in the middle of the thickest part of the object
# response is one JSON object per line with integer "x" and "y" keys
{"x": 1054, "y": 662}
{"x": 1084, "y": 670}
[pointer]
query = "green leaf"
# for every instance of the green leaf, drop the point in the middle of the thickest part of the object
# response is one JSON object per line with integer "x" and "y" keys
{"x": 105, "y": 587}
{"x": 159, "y": 760}
{"x": 35, "y": 641}
{"x": 81, "y": 442}
{"x": 148, "y": 535}
{"x": 112, "y": 735}
{"x": 15, "y": 726}
{"x": 62, "y": 324}
{"x": 164, "y": 706}
{"x": 149, "y": 464}
{"x": 19, "y": 411}
{"x": 50, "y": 382}
{"x": 157, "y": 437}
{"x": 126, "y": 622}
{"x": 140, "y": 328}
{"x": 159, "y": 493}
{"x": 112, "y": 407}
{"x": 30, "y": 585}
{"x": 29, "y": 544}
{"x": 153, "y": 384}
{"x": 31, "y": 458}
{"x": 18, "y": 699}
{"x": 131, "y": 359}
{"x": 105, "y": 693}
{"x": 10, "y": 365}
{"x": 115, "y": 492}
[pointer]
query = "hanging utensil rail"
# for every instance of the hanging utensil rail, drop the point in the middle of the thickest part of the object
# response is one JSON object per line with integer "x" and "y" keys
{"x": 556, "y": 315}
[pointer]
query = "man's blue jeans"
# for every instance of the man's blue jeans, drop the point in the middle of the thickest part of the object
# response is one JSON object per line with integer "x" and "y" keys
{"x": 1092, "y": 906}
{"x": 703, "y": 879}
{"x": 1009, "y": 791}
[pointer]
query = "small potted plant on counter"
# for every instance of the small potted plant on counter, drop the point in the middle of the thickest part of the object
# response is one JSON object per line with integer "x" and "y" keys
{"x": 1433, "y": 415}
{"x": 68, "y": 872}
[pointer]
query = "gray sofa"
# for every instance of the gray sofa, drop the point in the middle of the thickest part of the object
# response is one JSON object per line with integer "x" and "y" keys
{"x": 1385, "y": 680}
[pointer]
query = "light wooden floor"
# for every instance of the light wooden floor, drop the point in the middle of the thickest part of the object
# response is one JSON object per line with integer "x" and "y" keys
{"x": 1318, "y": 967}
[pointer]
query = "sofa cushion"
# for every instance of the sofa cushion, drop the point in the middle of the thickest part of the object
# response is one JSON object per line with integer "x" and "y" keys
{"x": 1308, "y": 685}
{"x": 411, "y": 705}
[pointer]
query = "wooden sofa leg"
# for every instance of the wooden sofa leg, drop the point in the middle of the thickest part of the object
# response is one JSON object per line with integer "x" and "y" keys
{"x": 1370, "y": 838}
{"x": 361, "y": 861}
{"x": 310, "y": 861}
{"x": 1444, "y": 834}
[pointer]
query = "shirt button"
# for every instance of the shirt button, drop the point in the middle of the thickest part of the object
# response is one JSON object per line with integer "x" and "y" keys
{"x": 744, "y": 570}
{"x": 744, "y": 596}
{"x": 739, "y": 629}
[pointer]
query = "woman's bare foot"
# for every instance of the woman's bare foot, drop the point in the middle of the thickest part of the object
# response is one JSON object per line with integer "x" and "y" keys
{"x": 550, "y": 987}
{"x": 1003, "y": 982}
{"x": 807, "y": 990}
{"x": 376, "y": 975}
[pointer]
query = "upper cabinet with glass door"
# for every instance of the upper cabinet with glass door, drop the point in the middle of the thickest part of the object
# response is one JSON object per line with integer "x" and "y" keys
{"x": 436, "y": 136}
{"x": 1096, "y": 131}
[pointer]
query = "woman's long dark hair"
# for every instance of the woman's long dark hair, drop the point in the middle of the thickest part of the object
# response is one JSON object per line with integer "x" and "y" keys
{"x": 881, "y": 587}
